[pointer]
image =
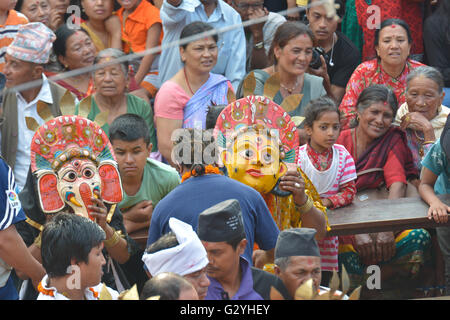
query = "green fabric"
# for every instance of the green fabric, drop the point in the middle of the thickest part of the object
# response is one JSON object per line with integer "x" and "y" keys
{"x": 350, "y": 26}
{"x": 135, "y": 105}
{"x": 312, "y": 89}
{"x": 158, "y": 180}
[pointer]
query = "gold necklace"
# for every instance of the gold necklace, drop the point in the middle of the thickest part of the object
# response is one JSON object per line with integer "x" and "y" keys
{"x": 289, "y": 90}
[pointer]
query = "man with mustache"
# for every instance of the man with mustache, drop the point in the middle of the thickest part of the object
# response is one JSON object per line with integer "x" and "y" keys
{"x": 221, "y": 230}
{"x": 25, "y": 58}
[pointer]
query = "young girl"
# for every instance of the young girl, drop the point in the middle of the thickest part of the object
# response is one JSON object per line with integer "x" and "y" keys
{"x": 330, "y": 167}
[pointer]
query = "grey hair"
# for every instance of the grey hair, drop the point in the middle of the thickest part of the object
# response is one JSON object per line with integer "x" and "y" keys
{"x": 283, "y": 262}
{"x": 115, "y": 54}
{"x": 428, "y": 72}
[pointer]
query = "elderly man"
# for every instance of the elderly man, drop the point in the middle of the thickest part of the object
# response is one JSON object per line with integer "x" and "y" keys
{"x": 179, "y": 251}
{"x": 221, "y": 230}
{"x": 24, "y": 62}
{"x": 260, "y": 35}
{"x": 297, "y": 259}
{"x": 175, "y": 14}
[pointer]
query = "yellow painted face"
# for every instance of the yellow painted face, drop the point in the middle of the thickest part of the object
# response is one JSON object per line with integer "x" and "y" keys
{"x": 254, "y": 159}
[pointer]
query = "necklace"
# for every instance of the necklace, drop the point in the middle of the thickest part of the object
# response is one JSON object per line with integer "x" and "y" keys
{"x": 289, "y": 90}
{"x": 187, "y": 82}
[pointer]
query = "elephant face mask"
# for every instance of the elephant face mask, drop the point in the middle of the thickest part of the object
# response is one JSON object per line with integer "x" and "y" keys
{"x": 72, "y": 158}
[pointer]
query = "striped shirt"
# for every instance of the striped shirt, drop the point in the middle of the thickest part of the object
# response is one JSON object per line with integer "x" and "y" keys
{"x": 8, "y": 31}
{"x": 328, "y": 182}
{"x": 10, "y": 213}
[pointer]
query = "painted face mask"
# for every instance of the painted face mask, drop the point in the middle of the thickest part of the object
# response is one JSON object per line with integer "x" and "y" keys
{"x": 72, "y": 158}
{"x": 256, "y": 139}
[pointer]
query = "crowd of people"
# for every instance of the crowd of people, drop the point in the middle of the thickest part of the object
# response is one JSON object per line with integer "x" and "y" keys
{"x": 93, "y": 145}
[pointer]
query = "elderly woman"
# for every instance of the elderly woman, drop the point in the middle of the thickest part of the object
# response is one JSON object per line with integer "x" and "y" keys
{"x": 291, "y": 53}
{"x": 383, "y": 161}
{"x": 35, "y": 11}
{"x": 393, "y": 44}
{"x": 423, "y": 115}
{"x": 110, "y": 86}
{"x": 103, "y": 27}
{"x": 74, "y": 49}
{"x": 182, "y": 101}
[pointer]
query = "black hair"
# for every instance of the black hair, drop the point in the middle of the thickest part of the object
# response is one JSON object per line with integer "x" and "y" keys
{"x": 390, "y": 22}
{"x": 63, "y": 33}
{"x": 19, "y": 5}
{"x": 68, "y": 236}
{"x": 129, "y": 127}
{"x": 166, "y": 285}
{"x": 376, "y": 93}
{"x": 212, "y": 115}
{"x": 285, "y": 32}
{"x": 194, "y": 28}
{"x": 166, "y": 241}
{"x": 316, "y": 107}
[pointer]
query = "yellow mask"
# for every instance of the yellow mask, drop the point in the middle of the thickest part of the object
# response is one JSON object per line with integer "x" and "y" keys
{"x": 253, "y": 159}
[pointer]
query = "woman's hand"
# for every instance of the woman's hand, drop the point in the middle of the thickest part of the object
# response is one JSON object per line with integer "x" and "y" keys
{"x": 417, "y": 121}
{"x": 385, "y": 246}
{"x": 438, "y": 211}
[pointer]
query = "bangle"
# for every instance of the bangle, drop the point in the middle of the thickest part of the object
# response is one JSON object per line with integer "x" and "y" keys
{"x": 111, "y": 242}
{"x": 306, "y": 206}
{"x": 428, "y": 142}
{"x": 259, "y": 45}
{"x": 38, "y": 240}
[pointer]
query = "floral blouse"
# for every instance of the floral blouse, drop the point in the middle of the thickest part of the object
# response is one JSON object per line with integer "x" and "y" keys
{"x": 366, "y": 74}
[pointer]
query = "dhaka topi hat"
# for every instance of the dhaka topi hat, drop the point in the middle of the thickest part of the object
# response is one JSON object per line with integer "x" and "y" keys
{"x": 33, "y": 43}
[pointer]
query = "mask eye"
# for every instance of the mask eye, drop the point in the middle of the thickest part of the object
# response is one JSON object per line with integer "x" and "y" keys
{"x": 70, "y": 176}
{"x": 247, "y": 154}
{"x": 88, "y": 173}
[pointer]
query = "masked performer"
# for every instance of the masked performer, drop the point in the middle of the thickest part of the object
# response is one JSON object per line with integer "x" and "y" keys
{"x": 257, "y": 142}
{"x": 73, "y": 169}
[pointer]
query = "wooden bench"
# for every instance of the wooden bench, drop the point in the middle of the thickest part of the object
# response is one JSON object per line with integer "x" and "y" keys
{"x": 382, "y": 215}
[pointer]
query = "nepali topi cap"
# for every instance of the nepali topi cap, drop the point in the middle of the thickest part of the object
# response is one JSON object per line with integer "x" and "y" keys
{"x": 221, "y": 222}
{"x": 297, "y": 242}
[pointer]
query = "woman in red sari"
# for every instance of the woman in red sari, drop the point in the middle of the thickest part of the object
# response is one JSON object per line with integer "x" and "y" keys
{"x": 375, "y": 144}
{"x": 393, "y": 43}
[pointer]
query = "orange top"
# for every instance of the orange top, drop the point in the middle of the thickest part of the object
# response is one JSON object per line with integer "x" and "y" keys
{"x": 8, "y": 32}
{"x": 136, "y": 25}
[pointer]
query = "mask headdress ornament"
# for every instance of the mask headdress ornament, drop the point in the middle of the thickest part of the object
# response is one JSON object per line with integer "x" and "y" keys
{"x": 71, "y": 158}
{"x": 260, "y": 116}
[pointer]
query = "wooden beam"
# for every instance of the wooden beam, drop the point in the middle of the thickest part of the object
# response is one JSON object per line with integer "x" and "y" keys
{"x": 382, "y": 215}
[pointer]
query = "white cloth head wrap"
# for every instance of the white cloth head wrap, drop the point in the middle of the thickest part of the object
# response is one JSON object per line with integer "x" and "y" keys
{"x": 188, "y": 257}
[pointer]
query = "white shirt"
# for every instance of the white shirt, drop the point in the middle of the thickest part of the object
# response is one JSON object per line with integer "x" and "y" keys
{"x": 25, "y": 135}
{"x": 90, "y": 293}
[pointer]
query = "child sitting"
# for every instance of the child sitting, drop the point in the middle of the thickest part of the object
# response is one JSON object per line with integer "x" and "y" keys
{"x": 72, "y": 257}
{"x": 330, "y": 167}
{"x": 142, "y": 30}
{"x": 435, "y": 180}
